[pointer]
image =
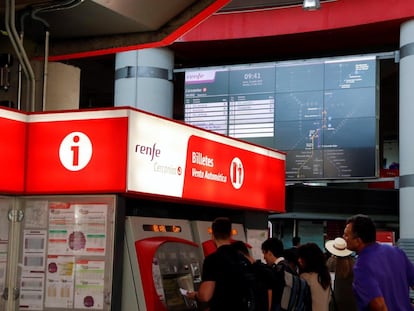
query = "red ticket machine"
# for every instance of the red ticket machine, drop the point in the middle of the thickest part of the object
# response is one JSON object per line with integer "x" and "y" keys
{"x": 202, "y": 235}
{"x": 161, "y": 263}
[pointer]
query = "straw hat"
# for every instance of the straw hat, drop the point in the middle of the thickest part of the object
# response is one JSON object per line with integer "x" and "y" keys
{"x": 337, "y": 247}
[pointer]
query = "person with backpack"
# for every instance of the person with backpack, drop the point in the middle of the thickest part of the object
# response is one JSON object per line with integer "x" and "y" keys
{"x": 290, "y": 292}
{"x": 223, "y": 286}
{"x": 313, "y": 269}
{"x": 262, "y": 280}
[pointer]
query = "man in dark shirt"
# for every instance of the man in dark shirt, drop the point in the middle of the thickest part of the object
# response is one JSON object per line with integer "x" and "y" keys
{"x": 263, "y": 278}
{"x": 220, "y": 287}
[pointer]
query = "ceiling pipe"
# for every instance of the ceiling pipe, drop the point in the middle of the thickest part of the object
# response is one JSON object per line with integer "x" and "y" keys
{"x": 20, "y": 51}
{"x": 14, "y": 44}
{"x": 17, "y": 43}
{"x": 46, "y": 55}
{"x": 45, "y": 70}
{"x": 53, "y": 6}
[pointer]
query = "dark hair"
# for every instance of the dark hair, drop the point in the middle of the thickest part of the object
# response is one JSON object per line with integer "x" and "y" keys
{"x": 314, "y": 261}
{"x": 295, "y": 240}
{"x": 363, "y": 227}
{"x": 221, "y": 228}
{"x": 274, "y": 245}
{"x": 241, "y": 247}
{"x": 344, "y": 266}
{"x": 291, "y": 255}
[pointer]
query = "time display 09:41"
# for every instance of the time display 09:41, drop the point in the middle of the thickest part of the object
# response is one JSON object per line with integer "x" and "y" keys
{"x": 252, "y": 76}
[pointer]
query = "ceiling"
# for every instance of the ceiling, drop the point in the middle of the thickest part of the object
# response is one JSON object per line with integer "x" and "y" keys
{"x": 89, "y": 18}
{"x": 84, "y": 25}
{"x": 79, "y": 26}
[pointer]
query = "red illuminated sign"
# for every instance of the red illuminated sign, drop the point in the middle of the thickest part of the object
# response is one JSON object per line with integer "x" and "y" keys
{"x": 12, "y": 155}
{"x": 124, "y": 150}
{"x": 70, "y": 156}
{"x": 219, "y": 173}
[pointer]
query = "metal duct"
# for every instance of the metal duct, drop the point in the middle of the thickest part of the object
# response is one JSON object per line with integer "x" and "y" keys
{"x": 20, "y": 52}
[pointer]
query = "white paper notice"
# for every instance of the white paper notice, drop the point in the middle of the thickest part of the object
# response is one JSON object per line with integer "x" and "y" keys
{"x": 59, "y": 281}
{"x": 33, "y": 270}
{"x": 32, "y": 292}
{"x": 4, "y": 242}
{"x": 4, "y": 225}
{"x": 61, "y": 222}
{"x": 91, "y": 221}
{"x": 4, "y": 230}
{"x": 3, "y": 264}
{"x": 255, "y": 238}
{"x": 89, "y": 287}
{"x": 34, "y": 248}
{"x": 36, "y": 214}
{"x": 77, "y": 229}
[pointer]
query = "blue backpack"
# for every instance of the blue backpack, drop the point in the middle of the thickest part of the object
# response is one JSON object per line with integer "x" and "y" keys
{"x": 296, "y": 295}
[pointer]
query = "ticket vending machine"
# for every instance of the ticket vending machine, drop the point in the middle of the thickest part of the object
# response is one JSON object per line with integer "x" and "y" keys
{"x": 161, "y": 262}
{"x": 202, "y": 235}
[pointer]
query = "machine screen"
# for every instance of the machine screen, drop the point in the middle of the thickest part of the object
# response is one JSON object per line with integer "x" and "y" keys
{"x": 178, "y": 266}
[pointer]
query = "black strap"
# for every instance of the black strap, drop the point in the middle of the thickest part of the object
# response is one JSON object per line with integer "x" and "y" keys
{"x": 335, "y": 307}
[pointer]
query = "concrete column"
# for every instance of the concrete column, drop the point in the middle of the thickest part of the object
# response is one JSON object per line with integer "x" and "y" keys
{"x": 406, "y": 181}
{"x": 143, "y": 79}
{"x": 63, "y": 87}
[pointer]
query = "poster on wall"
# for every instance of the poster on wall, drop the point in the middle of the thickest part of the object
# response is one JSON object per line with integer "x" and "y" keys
{"x": 33, "y": 267}
{"x": 255, "y": 238}
{"x": 59, "y": 281}
{"x": 4, "y": 242}
{"x": 65, "y": 252}
{"x": 89, "y": 286}
{"x": 77, "y": 229}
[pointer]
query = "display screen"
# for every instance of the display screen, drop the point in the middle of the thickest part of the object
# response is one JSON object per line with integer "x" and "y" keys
{"x": 207, "y": 99}
{"x": 322, "y": 112}
{"x": 161, "y": 228}
{"x": 234, "y": 231}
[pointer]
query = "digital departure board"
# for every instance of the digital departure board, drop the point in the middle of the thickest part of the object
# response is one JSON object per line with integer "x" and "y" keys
{"x": 207, "y": 99}
{"x": 252, "y": 101}
{"x": 322, "y": 112}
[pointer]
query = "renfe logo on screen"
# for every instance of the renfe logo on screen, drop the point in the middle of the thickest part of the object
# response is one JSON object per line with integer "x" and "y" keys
{"x": 195, "y": 77}
{"x": 75, "y": 151}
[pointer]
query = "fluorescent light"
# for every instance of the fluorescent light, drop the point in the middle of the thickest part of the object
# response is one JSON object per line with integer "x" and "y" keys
{"x": 311, "y": 5}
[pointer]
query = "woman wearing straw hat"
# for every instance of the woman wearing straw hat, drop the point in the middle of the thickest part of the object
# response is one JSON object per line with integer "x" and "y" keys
{"x": 343, "y": 263}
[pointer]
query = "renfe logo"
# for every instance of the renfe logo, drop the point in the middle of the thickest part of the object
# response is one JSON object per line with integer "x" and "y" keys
{"x": 195, "y": 77}
{"x": 75, "y": 151}
{"x": 151, "y": 151}
{"x": 236, "y": 173}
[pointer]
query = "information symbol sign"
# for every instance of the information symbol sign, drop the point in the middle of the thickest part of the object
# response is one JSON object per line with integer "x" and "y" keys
{"x": 236, "y": 173}
{"x": 75, "y": 151}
